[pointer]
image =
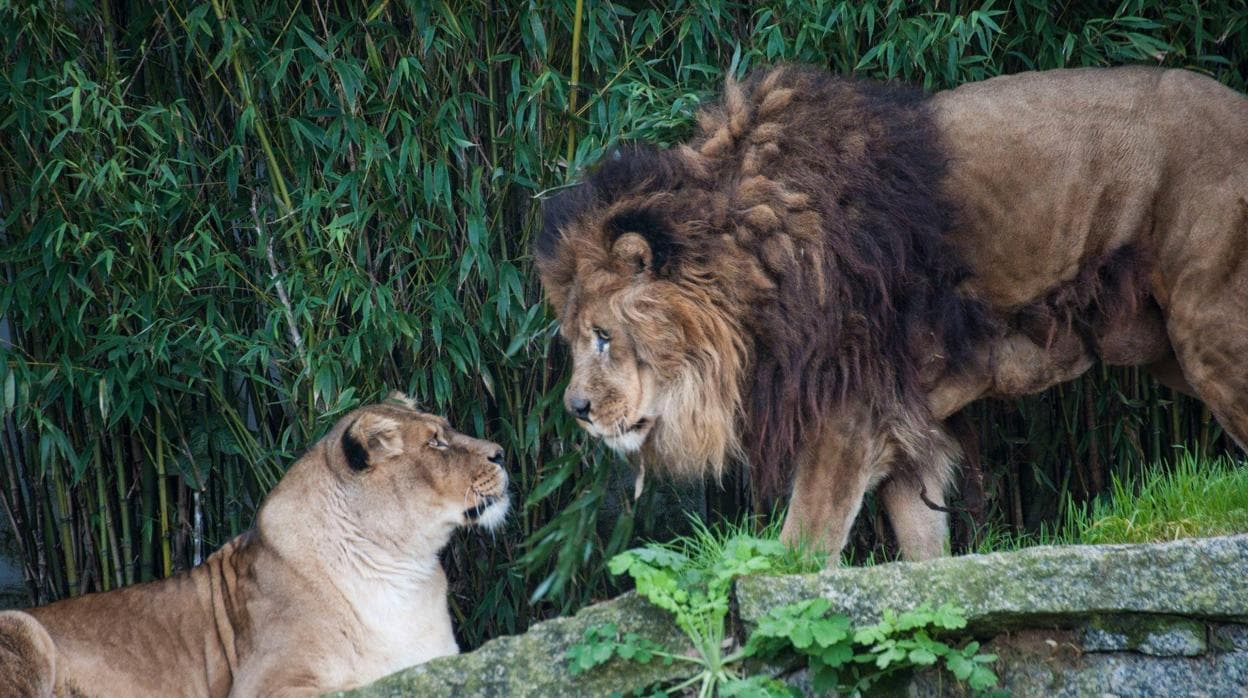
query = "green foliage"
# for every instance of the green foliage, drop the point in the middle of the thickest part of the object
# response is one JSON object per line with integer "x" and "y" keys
{"x": 1188, "y": 498}
{"x": 603, "y": 642}
{"x": 696, "y": 590}
{"x": 853, "y": 661}
{"x": 225, "y": 224}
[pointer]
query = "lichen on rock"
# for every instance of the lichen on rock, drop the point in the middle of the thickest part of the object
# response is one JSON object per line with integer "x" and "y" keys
{"x": 1049, "y": 585}
{"x": 533, "y": 663}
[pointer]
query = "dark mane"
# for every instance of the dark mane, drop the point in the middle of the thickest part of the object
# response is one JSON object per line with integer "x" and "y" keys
{"x": 812, "y": 205}
{"x": 868, "y": 156}
{"x": 631, "y": 169}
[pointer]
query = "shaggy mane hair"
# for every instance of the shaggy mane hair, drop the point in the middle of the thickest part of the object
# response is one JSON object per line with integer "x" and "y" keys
{"x": 808, "y": 208}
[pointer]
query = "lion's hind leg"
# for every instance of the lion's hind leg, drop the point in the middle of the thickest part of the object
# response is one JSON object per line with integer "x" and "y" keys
{"x": 911, "y": 500}
{"x": 1215, "y": 363}
{"x": 1207, "y": 317}
{"x": 27, "y": 656}
{"x": 914, "y": 494}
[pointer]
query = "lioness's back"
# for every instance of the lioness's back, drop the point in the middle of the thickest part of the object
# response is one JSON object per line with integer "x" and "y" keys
{"x": 107, "y": 635}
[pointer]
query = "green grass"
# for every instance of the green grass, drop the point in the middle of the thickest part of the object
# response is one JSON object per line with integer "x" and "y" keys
{"x": 1189, "y": 498}
{"x": 708, "y": 543}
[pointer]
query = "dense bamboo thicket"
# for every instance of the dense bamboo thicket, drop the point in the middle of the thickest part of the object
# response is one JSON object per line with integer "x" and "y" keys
{"x": 226, "y": 223}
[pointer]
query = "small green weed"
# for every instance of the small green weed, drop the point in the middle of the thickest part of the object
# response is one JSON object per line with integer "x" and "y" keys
{"x": 852, "y": 661}
{"x": 691, "y": 579}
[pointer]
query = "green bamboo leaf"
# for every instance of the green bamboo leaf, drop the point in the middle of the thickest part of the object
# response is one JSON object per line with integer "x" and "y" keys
{"x": 313, "y": 45}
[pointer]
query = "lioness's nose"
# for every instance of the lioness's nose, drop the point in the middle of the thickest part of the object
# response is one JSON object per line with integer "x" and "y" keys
{"x": 579, "y": 406}
{"x": 497, "y": 458}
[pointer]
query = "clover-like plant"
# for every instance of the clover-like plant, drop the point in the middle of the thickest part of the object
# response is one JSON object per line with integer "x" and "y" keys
{"x": 695, "y": 588}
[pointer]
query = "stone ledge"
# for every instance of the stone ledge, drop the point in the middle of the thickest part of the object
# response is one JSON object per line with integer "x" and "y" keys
{"x": 1041, "y": 663}
{"x": 533, "y": 664}
{"x": 1035, "y": 587}
{"x": 1042, "y": 608}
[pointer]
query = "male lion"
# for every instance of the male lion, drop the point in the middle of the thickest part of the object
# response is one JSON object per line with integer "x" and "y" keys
{"x": 337, "y": 585}
{"x": 830, "y": 267}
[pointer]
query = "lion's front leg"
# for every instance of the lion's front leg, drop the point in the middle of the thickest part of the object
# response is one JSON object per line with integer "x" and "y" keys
{"x": 834, "y": 472}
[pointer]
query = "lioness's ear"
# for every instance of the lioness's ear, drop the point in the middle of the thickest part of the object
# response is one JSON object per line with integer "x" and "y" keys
{"x": 632, "y": 254}
{"x": 370, "y": 437}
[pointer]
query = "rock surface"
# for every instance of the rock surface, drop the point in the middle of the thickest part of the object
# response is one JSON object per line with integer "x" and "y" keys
{"x": 1122, "y": 620}
{"x": 1160, "y": 636}
{"x": 533, "y": 664}
{"x": 1066, "y": 585}
{"x": 1038, "y": 663}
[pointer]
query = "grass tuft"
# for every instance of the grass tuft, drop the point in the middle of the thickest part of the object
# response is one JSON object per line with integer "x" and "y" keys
{"x": 1190, "y": 499}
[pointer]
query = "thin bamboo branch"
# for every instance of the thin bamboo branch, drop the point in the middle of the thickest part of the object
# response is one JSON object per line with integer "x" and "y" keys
{"x": 574, "y": 84}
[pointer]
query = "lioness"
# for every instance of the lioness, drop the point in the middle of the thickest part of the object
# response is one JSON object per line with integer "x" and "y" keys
{"x": 337, "y": 585}
{"x": 830, "y": 267}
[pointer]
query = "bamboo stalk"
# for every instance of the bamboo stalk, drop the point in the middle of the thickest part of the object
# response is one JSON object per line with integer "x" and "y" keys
{"x": 118, "y": 578}
{"x": 1154, "y": 411}
{"x": 166, "y": 548}
{"x": 61, "y": 513}
{"x": 101, "y": 512}
{"x": 1206, "y": 419}
{"x": 1096, "y": 472}
{"x": 1178, "y": 431}
{"x": 22, "y": 533}
{"x": 123, "y": 502}
{"x": 50, "y": 571}
{"x": 147, "y": 554}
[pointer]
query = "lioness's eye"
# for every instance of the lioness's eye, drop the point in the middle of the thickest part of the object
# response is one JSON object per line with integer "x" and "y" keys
{"x": 601, "y": 339}
{"x": 437, "y": 443}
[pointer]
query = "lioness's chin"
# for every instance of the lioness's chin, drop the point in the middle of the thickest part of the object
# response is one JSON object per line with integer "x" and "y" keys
{"x": 489, "y": 513}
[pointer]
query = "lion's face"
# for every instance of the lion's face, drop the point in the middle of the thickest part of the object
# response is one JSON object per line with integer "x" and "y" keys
{"x": 613, "y": 392}
{"x": 655, "y": 366}
{"x": 407, "y": 474}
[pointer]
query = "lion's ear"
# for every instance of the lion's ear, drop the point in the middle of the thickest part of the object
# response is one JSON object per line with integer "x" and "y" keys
{"x": 370, "y": 438}
{"x": 642, "y": 241}
{"x": 401, "y": 399}
{"x": 632, "y": 254}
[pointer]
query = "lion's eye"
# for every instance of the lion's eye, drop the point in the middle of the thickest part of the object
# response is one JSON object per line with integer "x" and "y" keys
{"x": 437, "y": 443}
{"x": 601, "y": 339}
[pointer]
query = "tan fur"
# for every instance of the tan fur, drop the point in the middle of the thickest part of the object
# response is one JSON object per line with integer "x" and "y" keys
{"x": 336, "y": 586}
{"x": 1167, "y": 174}
{"x": 1101, "y": 214}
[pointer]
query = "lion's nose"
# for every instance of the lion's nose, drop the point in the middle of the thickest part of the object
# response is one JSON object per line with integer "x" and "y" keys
{"x": 497, "y": 458}
{"x": 579, "y": 406}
